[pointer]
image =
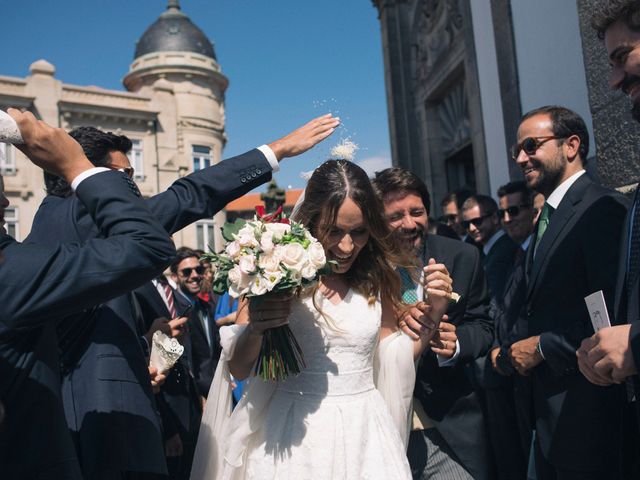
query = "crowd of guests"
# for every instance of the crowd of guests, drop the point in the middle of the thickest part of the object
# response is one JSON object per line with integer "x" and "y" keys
{"x": 516, "y": 382}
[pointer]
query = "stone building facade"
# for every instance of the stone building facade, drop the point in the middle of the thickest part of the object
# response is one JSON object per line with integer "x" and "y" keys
{"x": 173, "y": 111}
{"x": 460, "y": 73}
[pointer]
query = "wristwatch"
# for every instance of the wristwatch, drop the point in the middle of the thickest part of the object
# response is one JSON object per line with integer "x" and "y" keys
{"x": 539, "y": 349}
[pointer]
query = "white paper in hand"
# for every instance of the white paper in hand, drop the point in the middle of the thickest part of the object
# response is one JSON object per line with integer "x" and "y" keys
{"x": 9, "y": 131}
{"x": 165, "y": 352}
{"x": 597, "y": 310}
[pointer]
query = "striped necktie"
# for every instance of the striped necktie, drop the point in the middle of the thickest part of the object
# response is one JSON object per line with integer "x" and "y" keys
{"x": 168, "y": 295}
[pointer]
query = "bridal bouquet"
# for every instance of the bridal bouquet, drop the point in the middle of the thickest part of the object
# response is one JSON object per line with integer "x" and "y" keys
{"x": 269, "y": 254}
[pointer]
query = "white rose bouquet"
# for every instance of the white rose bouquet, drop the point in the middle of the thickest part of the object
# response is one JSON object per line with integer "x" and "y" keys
{"x": 269, "y": 254}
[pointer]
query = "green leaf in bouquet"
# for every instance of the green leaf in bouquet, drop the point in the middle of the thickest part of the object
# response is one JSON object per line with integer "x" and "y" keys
{"x": 220, "y": 283}
{"x": 231, "y": 229}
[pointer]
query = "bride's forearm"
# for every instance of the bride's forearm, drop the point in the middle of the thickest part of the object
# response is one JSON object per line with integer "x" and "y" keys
{"x": 245, "y": 354}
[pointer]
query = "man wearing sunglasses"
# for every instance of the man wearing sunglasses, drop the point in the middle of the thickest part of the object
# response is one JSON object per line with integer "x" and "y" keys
{"x": 105, "y": 359}
{"x": 574, "y": 253}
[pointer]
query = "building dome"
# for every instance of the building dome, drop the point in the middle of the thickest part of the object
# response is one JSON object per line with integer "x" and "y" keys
{"x": 174, "y": 32}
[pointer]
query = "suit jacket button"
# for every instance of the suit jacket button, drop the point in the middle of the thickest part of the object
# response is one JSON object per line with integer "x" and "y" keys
{"x": 258, "y": 171}
{"x": 254, "y": 174}
{"x": 243, "y": 180}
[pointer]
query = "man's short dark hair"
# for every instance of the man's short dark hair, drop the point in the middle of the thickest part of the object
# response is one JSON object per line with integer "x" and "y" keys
{"x": 396, "y": 179}
{"x": 457, "y": 196}
{"x": 486, "y": 204}
{"x": 564, "y": 123}
{"x": 96, "y": 145}
{"x": 519, "y": 186}
{"x": 181, "y": 254}
{"x": 611, "y": 11}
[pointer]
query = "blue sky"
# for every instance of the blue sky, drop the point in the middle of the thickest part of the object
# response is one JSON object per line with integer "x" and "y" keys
{"x": 287, "y": 61}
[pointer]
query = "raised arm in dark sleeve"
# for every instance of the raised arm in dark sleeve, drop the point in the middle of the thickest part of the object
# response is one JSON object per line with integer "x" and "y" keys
{"x": 39, "y": 283}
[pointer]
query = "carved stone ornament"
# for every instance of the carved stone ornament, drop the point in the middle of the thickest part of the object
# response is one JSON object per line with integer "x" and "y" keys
{"x": 454, "y": 120}
{"x": 439, "y": 23}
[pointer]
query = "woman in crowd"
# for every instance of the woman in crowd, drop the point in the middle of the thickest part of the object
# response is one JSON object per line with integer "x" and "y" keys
{"x": 330, "y": 421}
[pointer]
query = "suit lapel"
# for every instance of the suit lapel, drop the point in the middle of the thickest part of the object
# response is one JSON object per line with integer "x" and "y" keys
{"x": 622, "y": 263}
{"x": 157, "y": 302}
{"x": 558, "y": 227}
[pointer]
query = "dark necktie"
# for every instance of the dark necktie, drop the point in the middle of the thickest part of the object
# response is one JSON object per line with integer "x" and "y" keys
{"x": 543, "y": 222}
{"x": 633, "y": 259}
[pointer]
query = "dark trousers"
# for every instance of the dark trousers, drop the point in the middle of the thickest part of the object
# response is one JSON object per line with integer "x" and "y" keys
{"x": 510, "y": 459}
{"x": 546, "y": 471}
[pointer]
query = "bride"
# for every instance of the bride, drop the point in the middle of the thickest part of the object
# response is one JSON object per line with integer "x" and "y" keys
{"x": 330, "y": 421}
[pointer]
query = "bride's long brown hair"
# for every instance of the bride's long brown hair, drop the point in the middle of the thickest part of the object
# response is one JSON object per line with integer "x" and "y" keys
{"x": 372, "y": 273}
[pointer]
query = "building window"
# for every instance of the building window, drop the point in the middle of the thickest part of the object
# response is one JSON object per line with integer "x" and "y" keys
{"x": 136, "y": 159}
{"x": 11, "y": 221}
{"x": 204, "y": 235}
{"x": 7, "y": 159}
{"x": 201, "y": 157}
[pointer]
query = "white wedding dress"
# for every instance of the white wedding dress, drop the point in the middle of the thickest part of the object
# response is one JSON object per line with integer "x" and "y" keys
{"x": 329, "y": 422}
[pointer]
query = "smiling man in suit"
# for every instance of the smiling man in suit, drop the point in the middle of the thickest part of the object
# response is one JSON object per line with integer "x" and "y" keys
{"x": 42, "y": 284}
{"x": 448, "y": 440}
{"x": 107, "y": 395}
{"x": 574, "y": 253}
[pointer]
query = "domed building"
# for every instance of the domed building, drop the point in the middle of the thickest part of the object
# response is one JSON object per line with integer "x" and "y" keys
{"x": 173, "y": 111}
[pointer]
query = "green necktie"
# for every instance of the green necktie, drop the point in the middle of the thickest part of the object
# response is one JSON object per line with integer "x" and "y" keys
{"x": 408, "y": 287}
{"x": 543, "y": 222}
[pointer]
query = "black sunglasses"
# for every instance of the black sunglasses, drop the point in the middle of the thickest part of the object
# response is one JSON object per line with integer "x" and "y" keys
{"x": 128, "y": 171}
{"x": 186, "y": 272}
{"x": 475, "y": 221}
{"x": 513, "y": 210}
{"x": 530, "y": 145}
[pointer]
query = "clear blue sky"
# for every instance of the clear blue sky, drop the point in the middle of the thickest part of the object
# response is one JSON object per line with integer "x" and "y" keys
{"x": 287, "y": 61}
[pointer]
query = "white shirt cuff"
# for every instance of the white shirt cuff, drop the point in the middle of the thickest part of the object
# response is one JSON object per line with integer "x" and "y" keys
{"x": 271, "y": 157}
{"x": 449, "y": 362}
{"x": 86, "y": 174}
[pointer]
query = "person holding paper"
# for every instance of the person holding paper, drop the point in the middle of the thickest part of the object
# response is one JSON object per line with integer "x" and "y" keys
{"x": 612, "y": 355}
{"x": 574, "y": 253}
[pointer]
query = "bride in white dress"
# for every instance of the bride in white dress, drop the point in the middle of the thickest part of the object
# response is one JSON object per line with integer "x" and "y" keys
{"x": 330, "y": 421}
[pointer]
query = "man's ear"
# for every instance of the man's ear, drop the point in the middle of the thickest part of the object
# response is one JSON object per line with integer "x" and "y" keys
{"x": 572, "y": 147}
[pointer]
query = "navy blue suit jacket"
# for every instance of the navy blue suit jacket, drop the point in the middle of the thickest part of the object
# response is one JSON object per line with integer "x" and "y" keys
{"x": 39, "y": 284}
{"x": 577, "y": 256}
{"x": 107, "y": 395}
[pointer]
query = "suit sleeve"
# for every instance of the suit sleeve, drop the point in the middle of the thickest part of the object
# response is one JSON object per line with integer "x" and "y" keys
{"x": 39, "y": 284}
{"x": 599, "y": 251}
{"x": 205, "y": 192}
{"x": 475, "y": 331}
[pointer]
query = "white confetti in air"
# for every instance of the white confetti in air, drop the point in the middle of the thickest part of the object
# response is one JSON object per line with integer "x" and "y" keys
{"x": 307, "y": 175}
{"x": 345, "y": 150}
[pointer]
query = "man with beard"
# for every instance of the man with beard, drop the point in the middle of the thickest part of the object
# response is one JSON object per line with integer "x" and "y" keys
{"x": 448, "y": 440}
{"x": 574, "y": 253}
{"x": 613, "y": 354}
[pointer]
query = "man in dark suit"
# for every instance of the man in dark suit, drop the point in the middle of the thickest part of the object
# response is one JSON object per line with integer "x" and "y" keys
{"x": 574, "y": 254}
{"x": 510, "y": 438}
{"x": 613, "y": 354}
{"x": 449, "y": 435}
{"x": 108, "y": 401}
{"x": 480, "y": 218}
{"x": 178, "y": 400}
{"x": 204, "y": 336}
{"x": 42, "y": 284}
